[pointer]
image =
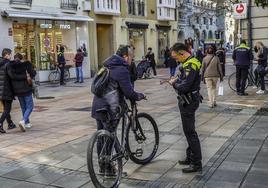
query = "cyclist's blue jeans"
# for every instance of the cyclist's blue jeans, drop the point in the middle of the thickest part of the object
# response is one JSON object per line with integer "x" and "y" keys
{"x": 259, "y": 77}
{"x": 79, "y": 74}
{"x": 26, "y": 104}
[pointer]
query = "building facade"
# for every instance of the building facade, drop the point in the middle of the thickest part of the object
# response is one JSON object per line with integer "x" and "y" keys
{"x": 199, "y": 20}
{"x": 259, "y": 25}
{"x": 36, "y": 28}
{"x": 139, "y": 23}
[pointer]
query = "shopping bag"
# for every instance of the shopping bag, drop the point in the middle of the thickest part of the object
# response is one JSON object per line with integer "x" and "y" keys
{"x": 220, "y": 91}
{"x": 1, "y": 107}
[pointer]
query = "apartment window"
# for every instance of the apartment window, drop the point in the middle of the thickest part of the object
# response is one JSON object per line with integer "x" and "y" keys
{"x": 168, "y": 12}
{"x": 69, "y": 4}
{"x": 21, "y": 2}
{"x": 197, "y": 20}
{"x": 204, "y": 20}
{"x": 136, "y": 7}
{"x": 211, "y": 21}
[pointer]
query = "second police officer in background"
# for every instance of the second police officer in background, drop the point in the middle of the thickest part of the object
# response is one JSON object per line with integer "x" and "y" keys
{"x": 187, "y": 85}
{"x": 242, "y": 57}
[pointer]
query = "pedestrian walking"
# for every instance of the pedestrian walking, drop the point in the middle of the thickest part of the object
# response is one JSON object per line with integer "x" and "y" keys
{"x": 113, "y": 97}
{"x": 262, "y": 53}
{"x": 166, "y": 56}
{"x": 6, "y": 91}
{"x": 78, "y": 59}
{"x": 61, "y": 62}
{"x": 150, "y": 57}
{"x": 172, "y": 64}
{"x": 222, "y": 57}
{"x": 211, "y": 73}
{"x": 242, "y": 57}
{"x": 199, "y": 54}
{"x": 187, "y": 85}
{"x": 22, "y": 74}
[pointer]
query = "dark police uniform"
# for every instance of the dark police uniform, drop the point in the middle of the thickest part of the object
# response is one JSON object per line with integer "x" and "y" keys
{"x": 61, "y": 62}
{"x": 188, "y": 85}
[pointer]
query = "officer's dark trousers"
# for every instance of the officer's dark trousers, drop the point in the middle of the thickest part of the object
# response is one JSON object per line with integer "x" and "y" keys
{"x": 193, "y": 151}
{"x": 241, "y": 78}
{"x": 62, "y": 67}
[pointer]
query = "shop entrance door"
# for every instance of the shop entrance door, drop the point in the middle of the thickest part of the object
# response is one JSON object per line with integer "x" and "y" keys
{"x": 104, "y": 42}
{"x": 163, "y": 42}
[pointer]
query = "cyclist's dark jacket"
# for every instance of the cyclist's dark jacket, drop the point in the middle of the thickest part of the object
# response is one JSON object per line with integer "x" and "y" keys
{"x": 17, "y": 72}
{"x": 242, "y": 55}
{"x": 119, "y": 73}
{"x": 189, "y": 80}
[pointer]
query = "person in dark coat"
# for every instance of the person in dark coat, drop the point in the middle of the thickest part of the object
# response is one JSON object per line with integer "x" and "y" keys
{"x": 133, "y": 72}
{"x": 166, "y": 56}
{"x": 151, "y": 59}
{"x": 199, "y": 54}
{"x": 222, "y": 56}
{"x": 61, "y": 62}
{"x": 6, "y": 92}
{"x": 113, "y": 100}
{"x": 78, "y": 59}
{"x": 172, "y": 66}
{"x": 21, "y": 74}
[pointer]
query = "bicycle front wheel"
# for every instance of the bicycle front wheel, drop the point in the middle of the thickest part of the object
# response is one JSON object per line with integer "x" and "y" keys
{"x": 103, "y": 160}
{"x": 142, "y": 140}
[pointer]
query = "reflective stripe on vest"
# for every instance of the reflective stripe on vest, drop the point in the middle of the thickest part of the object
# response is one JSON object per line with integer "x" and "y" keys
{"x": 243, "y": 46}
{"x": 195, "y": 63}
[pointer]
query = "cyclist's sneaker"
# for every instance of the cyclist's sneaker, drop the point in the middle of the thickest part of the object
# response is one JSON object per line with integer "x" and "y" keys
{"x": 11, "y": 126}
{"x": 255, "y": 87}
{"x": 22, "y": 126}
{"x": 260, "y": 92}
{"x": 28, "y": 125}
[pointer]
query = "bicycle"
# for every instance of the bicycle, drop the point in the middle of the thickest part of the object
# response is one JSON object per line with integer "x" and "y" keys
{"x": 54, "y": 76}
{"x": 250, "y": 80}
{"x": 111, "y": 152}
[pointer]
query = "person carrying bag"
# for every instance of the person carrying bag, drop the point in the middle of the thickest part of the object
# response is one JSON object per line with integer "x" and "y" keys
{"x": 211, "y": 73}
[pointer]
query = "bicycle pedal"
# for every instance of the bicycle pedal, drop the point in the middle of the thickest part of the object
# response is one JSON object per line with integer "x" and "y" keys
{"x": 139, "y": 152}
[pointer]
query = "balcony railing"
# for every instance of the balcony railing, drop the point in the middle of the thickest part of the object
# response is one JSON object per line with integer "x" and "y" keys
{"x": 21, "y": 2}
{"x": 69, "y": 4}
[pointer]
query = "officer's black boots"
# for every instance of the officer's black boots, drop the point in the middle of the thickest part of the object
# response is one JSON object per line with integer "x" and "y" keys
{"x": 185, "y": 162}
{"x": 192, "y": 168}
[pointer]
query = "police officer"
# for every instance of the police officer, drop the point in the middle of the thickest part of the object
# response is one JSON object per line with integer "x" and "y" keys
{"x": 61, "y": 62}
{"x": 242, "y": 57}
{"x": 187, "y": 86}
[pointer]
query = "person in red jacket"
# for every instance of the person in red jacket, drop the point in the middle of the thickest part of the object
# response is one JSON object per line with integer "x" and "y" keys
{"x": 79, "y": 58}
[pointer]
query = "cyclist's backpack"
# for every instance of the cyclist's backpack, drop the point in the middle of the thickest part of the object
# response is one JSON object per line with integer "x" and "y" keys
{"x": 100, "y": 82}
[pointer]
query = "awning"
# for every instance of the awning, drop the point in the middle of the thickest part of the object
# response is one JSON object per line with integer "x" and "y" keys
{"x": 44, "y": 16}
{"x": 135, "y": 25}
{"x": 163, "y": 27}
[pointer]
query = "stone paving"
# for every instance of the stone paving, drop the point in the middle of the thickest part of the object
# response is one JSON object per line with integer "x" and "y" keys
{"x": 53, "y": 152}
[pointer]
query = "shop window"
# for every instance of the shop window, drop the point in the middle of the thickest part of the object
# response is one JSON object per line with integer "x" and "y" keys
{"x": 137, "y": 40}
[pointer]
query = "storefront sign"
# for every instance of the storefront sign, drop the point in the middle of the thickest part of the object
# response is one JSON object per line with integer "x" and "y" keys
{"x": 10, "y": 32}
{"x": 240, "y": 11}
{"x": 65, "y": 26}
{"x": 46, "y": 26}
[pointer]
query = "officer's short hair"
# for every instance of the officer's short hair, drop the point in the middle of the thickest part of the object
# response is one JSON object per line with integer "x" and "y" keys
{"x": 6, "y": 51}
{"x": 123, "y": 50}
{"x": 243, "y": 42}
{"x": 179, "y": 47}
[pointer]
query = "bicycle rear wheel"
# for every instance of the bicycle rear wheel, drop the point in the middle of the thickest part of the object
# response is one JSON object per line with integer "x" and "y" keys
{"x": 54, "y": 77}
{"x": 66, "y": 75}
{"x": 103, "y": 160}
{"x": 142, "y": 144}
{"x": 232, "y": 82}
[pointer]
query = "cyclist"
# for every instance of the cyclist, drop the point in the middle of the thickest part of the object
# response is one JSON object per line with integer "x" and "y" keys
{"x": 262, "y": 53}
{"x": 113, "y": 102}
{"x": 242, "y": 57}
